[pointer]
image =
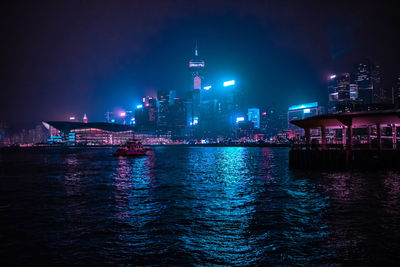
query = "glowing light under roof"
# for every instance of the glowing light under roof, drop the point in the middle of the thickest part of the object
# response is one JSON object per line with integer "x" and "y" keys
{"x": 304, "y": 106}
{"x": 229, "y": 83}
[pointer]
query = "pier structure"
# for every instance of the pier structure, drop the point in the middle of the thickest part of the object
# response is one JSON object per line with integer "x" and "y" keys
{"x": 348, "y": 140}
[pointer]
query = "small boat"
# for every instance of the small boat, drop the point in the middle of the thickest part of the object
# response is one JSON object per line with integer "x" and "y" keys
{"x": 133, "y": 148}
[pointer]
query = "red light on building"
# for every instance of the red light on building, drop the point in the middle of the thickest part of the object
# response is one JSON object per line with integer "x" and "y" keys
{"x": 264, "y": 113}
{"x": 147, "y": 104}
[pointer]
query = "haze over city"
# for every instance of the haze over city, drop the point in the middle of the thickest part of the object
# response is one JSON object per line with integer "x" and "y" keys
{"x": 62, "y": 58}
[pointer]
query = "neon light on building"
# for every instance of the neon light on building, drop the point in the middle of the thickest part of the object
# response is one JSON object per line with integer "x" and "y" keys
{"x": 229, "y": 83}
{"x": 304, "y": 106}
{"x": 239, "y": 119}
{"x": 196, "y": 64}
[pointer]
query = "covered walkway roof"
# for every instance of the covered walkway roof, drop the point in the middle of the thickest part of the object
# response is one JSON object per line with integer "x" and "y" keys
{"x": 354, "y": 119}
{"x": 67, "y": 126}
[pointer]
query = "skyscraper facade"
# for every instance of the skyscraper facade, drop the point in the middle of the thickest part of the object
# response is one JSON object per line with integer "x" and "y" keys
{"x": 254, "y": 116}
{"x": 196, "y": 67}
{"x": 362, "y": 76}
{"x": 339, "y": 91}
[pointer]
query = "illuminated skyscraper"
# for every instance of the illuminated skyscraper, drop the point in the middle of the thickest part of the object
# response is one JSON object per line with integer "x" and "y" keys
{"x": 166, "y": 100}
{"x": 362, "y": 76}
{"x": 196, "y": 66}
{"x": 339, "y": 91}
{"x": 254, "y": 116}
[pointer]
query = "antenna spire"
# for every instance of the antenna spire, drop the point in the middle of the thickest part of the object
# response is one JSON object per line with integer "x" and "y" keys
{"x": 196, "y": 53}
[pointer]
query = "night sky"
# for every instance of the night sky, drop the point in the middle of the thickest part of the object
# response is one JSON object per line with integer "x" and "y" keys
{"x": 62, "y": 58}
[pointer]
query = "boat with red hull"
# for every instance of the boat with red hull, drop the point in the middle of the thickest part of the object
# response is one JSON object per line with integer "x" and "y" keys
{"x": 133, "y": 148}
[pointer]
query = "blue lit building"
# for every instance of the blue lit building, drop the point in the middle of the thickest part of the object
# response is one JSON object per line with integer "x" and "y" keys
{"x": 254, "y": 116}
{"x": 302, "y": 111}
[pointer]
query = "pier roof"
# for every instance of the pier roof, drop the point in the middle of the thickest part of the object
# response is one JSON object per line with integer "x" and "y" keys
{"x": 354, "y": 119}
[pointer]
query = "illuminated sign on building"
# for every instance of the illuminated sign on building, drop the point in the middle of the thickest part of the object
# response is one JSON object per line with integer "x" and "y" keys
{"x": 239, "y": 119}
{"x": 196, "y": 64}
{"x": 229, "y": 83}
{"x": 139, "y": 106}
{"x": 304, "y": 106}
{"x": 122, "y": 114}
{"x": 207, "y": 87}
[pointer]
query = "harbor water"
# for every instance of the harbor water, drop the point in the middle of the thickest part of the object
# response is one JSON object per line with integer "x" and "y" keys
{"x": 199, "y": 206}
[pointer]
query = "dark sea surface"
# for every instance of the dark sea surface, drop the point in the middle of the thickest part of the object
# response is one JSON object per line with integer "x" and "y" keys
{"x": 191, "y": 206}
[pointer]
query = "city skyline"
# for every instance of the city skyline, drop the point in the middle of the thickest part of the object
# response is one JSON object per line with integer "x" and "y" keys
{"x": 87, "y": 68}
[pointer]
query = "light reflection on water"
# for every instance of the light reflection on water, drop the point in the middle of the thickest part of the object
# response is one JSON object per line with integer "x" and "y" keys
{"x": 192, "y": 206}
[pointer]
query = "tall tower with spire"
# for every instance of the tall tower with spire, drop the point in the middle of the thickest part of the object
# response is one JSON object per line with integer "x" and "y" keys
{"x": 196, "y": 66}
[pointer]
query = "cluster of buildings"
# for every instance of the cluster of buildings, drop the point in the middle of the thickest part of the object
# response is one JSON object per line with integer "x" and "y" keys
{"x": 30, "y": 136}
{"x": 208, "y": 112}
{"x": 213, "y": 113}
{"x": 361, "y": 90}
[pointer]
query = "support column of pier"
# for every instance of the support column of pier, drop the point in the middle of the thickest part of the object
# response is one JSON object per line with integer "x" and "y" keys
{"x": 307, "y": 134}
{"x": 394, "y": 134}
{"x": 323, "y": 137}
{"x": 369, "y": 136}
{"x": 349, "y": 137}
{"x": 344, "y": 137}
{"x": 378, "y": 136}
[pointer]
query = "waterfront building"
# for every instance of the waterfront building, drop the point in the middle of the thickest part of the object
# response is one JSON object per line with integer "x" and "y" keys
{"x": 91, "y": 133}
{"x": 300, "y": 112}
{"x": 365, "y": 140}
